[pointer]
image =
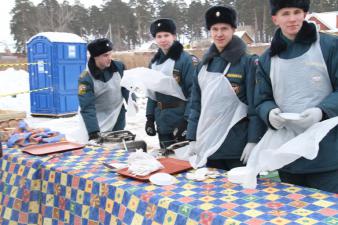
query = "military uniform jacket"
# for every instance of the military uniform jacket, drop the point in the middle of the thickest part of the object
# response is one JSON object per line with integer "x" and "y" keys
{"x": 86, "y": 92}
{"x": 241, "y": 75}
{"x": 327, "y": 158}
{"x": 168, "y": 119}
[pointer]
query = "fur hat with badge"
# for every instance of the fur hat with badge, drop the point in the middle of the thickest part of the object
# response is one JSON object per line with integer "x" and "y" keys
{"x": 276, "y": 5}
{"x": 163, "y": 24}
{"x": 221, "y": 14}
{"x": 99, "y": 46}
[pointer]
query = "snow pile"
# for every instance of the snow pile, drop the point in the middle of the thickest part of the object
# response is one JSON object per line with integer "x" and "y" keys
{"x": 13, "y": 81}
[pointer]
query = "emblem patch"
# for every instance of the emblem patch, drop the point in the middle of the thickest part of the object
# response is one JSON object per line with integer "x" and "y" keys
{"x": 195, "y": 60}
{"x": 82, "y": 89}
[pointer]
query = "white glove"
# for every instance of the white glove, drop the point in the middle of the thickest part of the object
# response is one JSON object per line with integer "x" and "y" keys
{"x": 247, "y": 151}
{"x": 310, "y": 117}
{"x": 275, "y": 119}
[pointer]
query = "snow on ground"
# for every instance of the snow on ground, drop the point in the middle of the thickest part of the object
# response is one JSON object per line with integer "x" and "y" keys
{"x": 14, "y": 81}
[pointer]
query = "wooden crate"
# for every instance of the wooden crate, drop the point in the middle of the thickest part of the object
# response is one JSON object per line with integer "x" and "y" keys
{"x": 6, "y": 115}
{"x": 9, "y": 121}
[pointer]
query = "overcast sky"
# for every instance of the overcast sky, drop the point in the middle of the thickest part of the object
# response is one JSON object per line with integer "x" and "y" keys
{"x": 5, "y": 18}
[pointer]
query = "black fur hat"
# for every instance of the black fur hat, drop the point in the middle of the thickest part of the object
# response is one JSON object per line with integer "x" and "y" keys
{"x": 163, "y": 24}
{"x": 99, "y": 46}
{"x": 221, "y": 14}
{"x": 276, "y": 5}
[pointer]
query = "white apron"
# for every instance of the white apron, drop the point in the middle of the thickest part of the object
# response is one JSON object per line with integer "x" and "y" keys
{"x": 157, "y": 79}
{"x": 295, "y": 89}
{"x": 220, "y": 111}
{"x": 108, "y": 101}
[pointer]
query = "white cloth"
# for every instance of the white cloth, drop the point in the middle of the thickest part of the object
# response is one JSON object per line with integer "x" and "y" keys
{"x": 220, "y": 111}
{"x": 142, "y": 164}
{"x": 158, "y": 79}
{"x": 108, "y": 101}
{"x": 185, "y": 152}
{"x": 295, "y": 90}
{"x": 131, "y": 106}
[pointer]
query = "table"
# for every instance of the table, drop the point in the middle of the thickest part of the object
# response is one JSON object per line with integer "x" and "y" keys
{"x": 20, "y": 183}
{"x": 20, "y": 186}
{"x": 75, "y": 188}
{"x": 78, "y": 189}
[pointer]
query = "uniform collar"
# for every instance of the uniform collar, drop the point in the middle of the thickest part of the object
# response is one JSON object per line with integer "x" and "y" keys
{"x": 231, "y": 53}
{"x": 96, "y": 72}
{"x": 307, "y": 35}
{"x": 174, "y": 53}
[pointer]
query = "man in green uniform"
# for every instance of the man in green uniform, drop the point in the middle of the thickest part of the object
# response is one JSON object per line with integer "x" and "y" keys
{"x": 170, "y": 113}
{"x": 299, "y": 74}
{"x": 100, "y": 94}
{"x": 223, "y": 126}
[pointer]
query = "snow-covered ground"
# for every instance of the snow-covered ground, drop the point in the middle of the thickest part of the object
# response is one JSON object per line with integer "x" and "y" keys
{"x": 14, "y": 81}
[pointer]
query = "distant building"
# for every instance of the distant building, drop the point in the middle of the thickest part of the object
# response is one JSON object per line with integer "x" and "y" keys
{"x": 150, "y": 45}
{"x": 327, "y": 21}
{"x": 245, "y": 37}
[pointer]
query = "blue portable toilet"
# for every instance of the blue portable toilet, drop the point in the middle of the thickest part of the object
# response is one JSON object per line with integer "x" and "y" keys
{"x": 55, "y": 61}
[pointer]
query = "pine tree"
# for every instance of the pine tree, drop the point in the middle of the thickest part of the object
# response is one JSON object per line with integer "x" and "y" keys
{"x": 117, "y": 16}
{"x": 95, "y": 25}
{"x": 195, "y": 22}
{"x": 79, "y": 23}
{"x": 142, "y": 10}
{"x": 21, "y": 23}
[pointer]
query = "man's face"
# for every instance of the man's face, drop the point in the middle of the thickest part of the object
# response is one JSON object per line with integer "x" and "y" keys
{"x": 290, "y": 21}
{"x": 221, "y": 34}
{"x": 103, "y": 61}
{"x": 164, "y": 40}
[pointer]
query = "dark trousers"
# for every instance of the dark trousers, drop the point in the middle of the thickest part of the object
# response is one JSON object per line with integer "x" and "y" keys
{"x": 224, "y": 164}
{"x": 326, "y": 181}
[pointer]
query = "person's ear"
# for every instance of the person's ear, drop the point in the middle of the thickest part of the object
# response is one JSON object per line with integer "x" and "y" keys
{"x": 274, "y": 20}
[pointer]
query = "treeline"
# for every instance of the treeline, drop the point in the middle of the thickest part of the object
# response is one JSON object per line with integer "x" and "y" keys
{"x": 128, "y": 23}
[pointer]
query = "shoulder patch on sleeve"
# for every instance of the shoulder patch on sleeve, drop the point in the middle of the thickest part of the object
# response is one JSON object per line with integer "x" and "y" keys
{"x": 195, "y": 60}
{"x": 82, "y": 89}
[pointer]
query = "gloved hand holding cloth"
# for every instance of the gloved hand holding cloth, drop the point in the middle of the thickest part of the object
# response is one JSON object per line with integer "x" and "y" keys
{"x": 275, "y": 119}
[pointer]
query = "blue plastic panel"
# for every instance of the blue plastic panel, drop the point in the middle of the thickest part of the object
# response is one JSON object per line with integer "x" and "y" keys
{"x": 59, "y": 68}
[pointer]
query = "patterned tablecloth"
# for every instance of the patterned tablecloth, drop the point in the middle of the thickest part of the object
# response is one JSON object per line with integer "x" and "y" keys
{"x": 80, "y": 190}
{"x": 20, "y": 186}
{"x": 77, "y": 189}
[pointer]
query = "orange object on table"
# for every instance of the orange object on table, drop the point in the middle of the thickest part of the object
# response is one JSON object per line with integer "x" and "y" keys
{"x": 171, "y": 166}
{"x": 50, "y": 148}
